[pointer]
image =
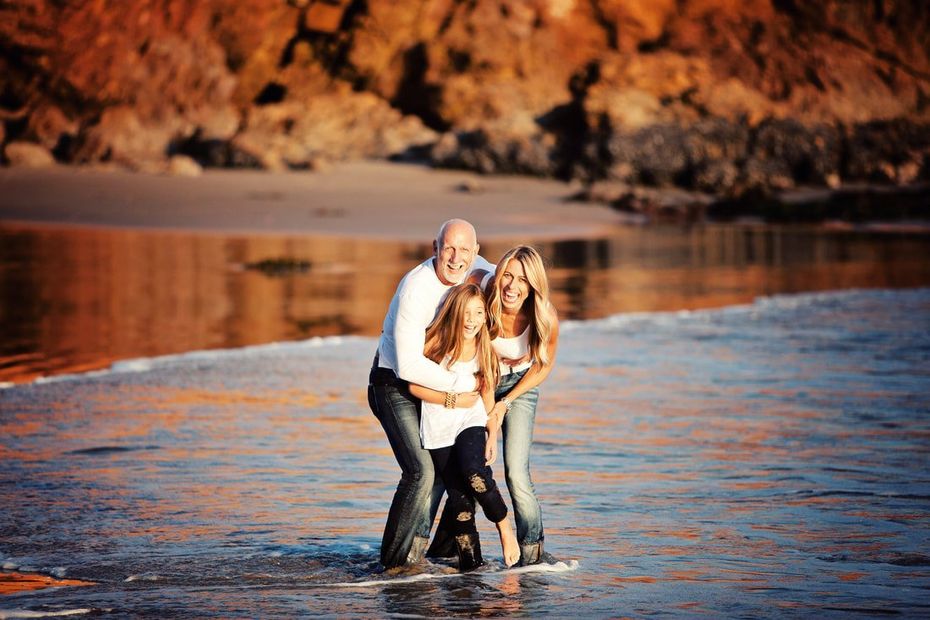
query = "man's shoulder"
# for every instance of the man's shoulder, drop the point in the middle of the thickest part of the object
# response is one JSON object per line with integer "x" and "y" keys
{"x": 481, "y": 263}
{"x": 423, "y": 275}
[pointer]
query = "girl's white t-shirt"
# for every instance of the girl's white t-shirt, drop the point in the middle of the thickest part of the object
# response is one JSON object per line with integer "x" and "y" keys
{"x": 440, "y": 426}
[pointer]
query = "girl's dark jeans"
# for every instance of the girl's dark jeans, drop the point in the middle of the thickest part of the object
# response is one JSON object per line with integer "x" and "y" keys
{"x": 466, "y": 477}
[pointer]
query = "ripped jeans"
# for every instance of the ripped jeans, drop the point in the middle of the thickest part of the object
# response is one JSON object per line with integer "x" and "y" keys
{"x": 462, "y": 469}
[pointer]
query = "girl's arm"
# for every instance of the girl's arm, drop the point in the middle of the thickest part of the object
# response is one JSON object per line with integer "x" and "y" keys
{"x": 462, "y": 399}
{"x": 490, "y": 446}
{"x": 534, "y": 376}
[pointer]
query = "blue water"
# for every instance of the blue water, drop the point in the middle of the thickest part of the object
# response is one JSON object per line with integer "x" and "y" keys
{"x": 766, "y": 460}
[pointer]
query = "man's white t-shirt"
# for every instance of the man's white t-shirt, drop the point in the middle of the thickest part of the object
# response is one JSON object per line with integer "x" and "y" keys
{"x": 403, "y": 334}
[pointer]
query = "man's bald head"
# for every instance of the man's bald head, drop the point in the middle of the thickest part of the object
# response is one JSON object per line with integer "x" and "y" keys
{"x": 456, "y": 246}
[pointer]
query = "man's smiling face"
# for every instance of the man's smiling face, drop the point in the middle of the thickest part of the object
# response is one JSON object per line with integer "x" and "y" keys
{"x": 455, "y": 251}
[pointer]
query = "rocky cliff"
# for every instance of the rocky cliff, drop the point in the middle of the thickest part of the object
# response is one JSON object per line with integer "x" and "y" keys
{"x": 722, "y": 96}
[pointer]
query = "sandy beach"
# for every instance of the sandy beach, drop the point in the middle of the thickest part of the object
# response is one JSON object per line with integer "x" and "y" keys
{"x": 359, "y": 200}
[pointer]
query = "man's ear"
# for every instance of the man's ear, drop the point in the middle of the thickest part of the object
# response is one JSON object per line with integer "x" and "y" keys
{"x": 435, "y": 247}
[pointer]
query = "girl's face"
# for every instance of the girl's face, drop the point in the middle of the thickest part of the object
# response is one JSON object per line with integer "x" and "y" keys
{"x": 474, "y": 317}
{"x": 515, "y": 288}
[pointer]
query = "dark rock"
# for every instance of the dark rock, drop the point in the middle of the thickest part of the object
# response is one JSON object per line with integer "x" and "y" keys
{"x": 788, "y": 154}
{"x": 280, "y": 267}
{"x": 852, "y": 204}
{"x": 887, "y": 151}
{"x": 49, "y": 126}
{"x": 495, "y": 153}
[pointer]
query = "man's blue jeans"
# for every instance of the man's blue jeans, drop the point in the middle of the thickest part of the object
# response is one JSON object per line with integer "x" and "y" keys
{"x": 517, "y": 432}
{"x": 406, "y": 532}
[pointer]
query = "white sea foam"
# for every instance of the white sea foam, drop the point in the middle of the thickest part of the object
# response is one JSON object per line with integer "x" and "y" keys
{"x": 142, "y": 577}
{"x": 558, "y": 567}
{"x": 624, "y": 320}
{"x": 146, "y": 364}
{"x": 27, "y": 613}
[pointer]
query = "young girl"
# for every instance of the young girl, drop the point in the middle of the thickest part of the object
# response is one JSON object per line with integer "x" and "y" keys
{"x": 456, "y": 437}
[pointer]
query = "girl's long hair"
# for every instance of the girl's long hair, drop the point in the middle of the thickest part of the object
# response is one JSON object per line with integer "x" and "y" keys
{"x": 537, "y": 300}
{"x": 445, "y": 337}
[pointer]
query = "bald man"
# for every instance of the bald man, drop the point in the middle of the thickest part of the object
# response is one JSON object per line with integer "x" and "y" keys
{"x": 400, "y": 361}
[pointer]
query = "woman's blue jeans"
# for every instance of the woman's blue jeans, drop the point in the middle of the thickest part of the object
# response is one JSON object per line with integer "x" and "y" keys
{"x": 517, "y": 432}
{"x": 419, "y": 491}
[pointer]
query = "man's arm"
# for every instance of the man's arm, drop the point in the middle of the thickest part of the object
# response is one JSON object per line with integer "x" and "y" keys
{"x": 483, "y": 264}
{"x": 410, "y": 338}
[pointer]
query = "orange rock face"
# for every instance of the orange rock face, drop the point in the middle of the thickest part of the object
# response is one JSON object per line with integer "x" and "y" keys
{"x": 550, "y": 86}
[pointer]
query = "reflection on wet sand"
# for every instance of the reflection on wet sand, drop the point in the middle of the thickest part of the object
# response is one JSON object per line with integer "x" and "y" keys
{"x": 77, "y": 299}
{"x": 13, "y": 583}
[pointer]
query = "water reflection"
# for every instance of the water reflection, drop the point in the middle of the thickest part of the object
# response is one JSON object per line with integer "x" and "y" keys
{"x": 75, "y": 299}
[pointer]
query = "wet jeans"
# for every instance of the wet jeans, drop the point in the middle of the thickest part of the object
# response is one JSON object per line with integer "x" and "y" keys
{"x": 461, "y": 467}
{"x": 517, "y": 432}
{"x": 419, "y": 491}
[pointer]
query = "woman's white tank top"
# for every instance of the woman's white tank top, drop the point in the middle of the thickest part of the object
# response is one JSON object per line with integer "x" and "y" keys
{"x": 513, "y": 348}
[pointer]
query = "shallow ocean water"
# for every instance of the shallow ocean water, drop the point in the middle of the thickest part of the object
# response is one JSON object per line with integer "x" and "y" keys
{"x": 761, "y": 460}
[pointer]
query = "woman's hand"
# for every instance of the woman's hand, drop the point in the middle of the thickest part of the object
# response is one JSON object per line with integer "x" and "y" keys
{"x": 490, "y": 447}
{"x": 465, "y": 400}
{"x": 496, "y": 415}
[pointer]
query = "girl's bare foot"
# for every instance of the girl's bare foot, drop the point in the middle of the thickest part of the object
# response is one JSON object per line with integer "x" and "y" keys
{"x": 508, "y": 542}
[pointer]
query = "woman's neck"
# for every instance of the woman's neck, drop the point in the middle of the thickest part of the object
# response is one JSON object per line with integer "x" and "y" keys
{"x": 513, "y": 323}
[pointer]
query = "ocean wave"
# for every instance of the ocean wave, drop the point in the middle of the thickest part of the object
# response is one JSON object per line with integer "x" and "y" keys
{"x": 148, "y": 364}
{"x": 768, "y": 304}
{"x": 626, "y": 321}
{"x": 487, "y": 570}
{"x": 27, "y": 613}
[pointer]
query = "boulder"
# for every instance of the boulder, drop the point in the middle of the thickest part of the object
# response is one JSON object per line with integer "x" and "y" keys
{"x": 183, "y": 166}
{"x": 123, "y": 138}
{"x": 48, "y": 126}
{"x": 20, "y": 154}
{"x": 325, "y": 16}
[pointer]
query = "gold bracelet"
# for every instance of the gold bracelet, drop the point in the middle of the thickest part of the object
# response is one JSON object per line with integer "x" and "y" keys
{"x": 451, "y": 397}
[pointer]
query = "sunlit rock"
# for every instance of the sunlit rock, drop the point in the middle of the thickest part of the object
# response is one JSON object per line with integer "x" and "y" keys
{"x": 27, "y": 155}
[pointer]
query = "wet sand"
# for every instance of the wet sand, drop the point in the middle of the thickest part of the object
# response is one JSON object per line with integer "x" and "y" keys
{"x": 359, "y": 200}
{"x": 14, "y": 583}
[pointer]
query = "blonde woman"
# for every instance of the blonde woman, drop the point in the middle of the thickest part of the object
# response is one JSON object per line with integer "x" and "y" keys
{"x": 524, "y": 328}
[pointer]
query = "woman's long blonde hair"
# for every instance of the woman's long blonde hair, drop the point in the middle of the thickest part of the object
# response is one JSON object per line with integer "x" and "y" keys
{"x": 445, "y": 337}
{"x": 538, "y": 300}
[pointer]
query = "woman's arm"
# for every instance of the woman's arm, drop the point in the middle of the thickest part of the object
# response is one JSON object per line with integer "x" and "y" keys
{"x": 476, "y": 276}
{"x": 462, "y": 399}
{"x": 535, "y": 375}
